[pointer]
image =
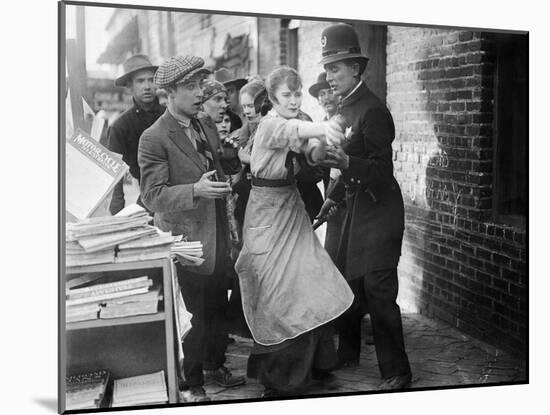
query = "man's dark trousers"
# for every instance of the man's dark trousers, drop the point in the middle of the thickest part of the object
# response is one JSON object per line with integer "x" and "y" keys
{"x": 205, "y": 297}
{"x": 377, "y": 289}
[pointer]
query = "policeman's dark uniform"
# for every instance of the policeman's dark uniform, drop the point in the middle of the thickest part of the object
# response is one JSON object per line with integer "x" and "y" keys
{"x": 370, "y": 244}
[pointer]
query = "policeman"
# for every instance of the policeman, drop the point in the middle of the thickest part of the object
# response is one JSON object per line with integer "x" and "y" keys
{"x": 369, "y": 249}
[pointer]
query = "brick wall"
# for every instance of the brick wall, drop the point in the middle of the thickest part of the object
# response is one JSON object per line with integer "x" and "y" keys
{"x": 457, "y": 264}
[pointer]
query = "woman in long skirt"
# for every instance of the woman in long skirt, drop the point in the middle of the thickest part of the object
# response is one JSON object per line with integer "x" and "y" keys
{"x": 291, "y": 290}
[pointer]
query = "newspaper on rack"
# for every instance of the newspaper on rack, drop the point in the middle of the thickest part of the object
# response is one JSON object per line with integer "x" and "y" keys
{"x": 154, "y": 246}
{"x": 140, "y": 390}
{"x": 121, "y": 298}
{"x": 133, "y": 305}
{"x": 94, "y": 240}
{"x": 188, "y": 253}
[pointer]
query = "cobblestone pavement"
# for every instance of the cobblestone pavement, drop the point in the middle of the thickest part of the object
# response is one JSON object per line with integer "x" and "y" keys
{"x": 439, "y": 356}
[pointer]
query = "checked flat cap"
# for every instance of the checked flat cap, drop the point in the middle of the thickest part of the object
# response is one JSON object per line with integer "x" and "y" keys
{"x": 179, "y": 69}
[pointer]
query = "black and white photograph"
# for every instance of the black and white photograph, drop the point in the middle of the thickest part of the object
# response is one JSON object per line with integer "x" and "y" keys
{"x": 265, "y": 207}
{"x": 282, "y": 208}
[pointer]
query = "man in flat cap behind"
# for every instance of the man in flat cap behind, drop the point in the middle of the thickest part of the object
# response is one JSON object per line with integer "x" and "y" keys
{"x": 123, "y": 135}
{"x": 370, "y": 244}
{"x": 179, "y": 160}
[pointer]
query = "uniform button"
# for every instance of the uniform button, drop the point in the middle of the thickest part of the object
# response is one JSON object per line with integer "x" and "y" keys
{"x": 358, "y": 181}
{"x": 352, "y": 180}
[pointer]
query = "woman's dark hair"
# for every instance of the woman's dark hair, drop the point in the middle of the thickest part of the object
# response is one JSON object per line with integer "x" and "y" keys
{"x": 262, "y": 104}
{"x": 252, "y": 88}
{"x": 279, "y": 76}
{"x": 236, "y": 121}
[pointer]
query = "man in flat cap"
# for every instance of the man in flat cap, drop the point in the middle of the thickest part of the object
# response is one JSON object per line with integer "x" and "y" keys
{"x": 370, "y": 246}
{"x": 179, "y": 160}
{"x": 123, "y": 135}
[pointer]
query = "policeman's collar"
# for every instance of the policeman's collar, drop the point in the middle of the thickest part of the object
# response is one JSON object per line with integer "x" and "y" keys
{"x": 352, "y": 91}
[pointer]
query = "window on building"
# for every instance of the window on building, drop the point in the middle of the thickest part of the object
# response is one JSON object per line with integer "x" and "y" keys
{"x": 289, "y": 42}
{"x": 293, "y": 48}
{"x": 511, "y": 127}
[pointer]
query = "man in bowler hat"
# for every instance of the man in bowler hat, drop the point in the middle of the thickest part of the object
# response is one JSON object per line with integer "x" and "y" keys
{"x": 179, "y": 157}
{"x": 370, "y": 244}
{"x": 123, "y": 135}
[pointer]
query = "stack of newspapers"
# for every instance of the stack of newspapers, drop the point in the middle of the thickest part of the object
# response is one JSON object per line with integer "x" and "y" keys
{"x": 128, "y": 297}
{"x": 86, "y": 390}
{"x": 146, "y": 389}
{"x": 93, "y": 241}
{"x": 125, "y": 237}
{"x": 188, "y": 253}
{"x": 154, "y": 246}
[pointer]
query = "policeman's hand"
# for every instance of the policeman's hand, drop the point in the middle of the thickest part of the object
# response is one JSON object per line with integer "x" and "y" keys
{"x": 210, "y": 189}
{"x": 333, "y": 133}
{"x": 328, "y": 209}
{"x": 336, "y": 158}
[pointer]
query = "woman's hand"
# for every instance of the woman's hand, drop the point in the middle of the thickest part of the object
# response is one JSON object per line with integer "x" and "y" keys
{"x": 244, "y": 156}
{"x": 333, "y": 133}
{"x": 318, "y": 153}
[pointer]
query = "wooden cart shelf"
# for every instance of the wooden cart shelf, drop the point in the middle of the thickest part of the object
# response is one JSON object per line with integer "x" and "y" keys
{"x": 166, "y": 315}
{"x": 103, "y": 322}
{"x": 118, "y": 266}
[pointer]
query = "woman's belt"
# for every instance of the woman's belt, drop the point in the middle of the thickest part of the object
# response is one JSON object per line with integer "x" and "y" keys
{"x": 259, "y": 182}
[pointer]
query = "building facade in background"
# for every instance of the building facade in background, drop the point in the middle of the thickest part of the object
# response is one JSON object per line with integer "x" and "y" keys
{"x": 459, "y": 101}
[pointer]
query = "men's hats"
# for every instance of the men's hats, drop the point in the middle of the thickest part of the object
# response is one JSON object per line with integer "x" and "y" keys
{"x": 131, "y": 66}
{"x": 211, "y": 88}
{"x": 340, "y": 42}
{"x": 320, "y": 84}
{"x": 179, "y": 69}
{"x": 224, "y": 76}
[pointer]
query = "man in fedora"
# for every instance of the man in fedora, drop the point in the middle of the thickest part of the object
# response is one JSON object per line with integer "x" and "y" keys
{"x": 179, "y": 160}
{"x": 233, "y": 86}
{"x": 322, "y": 92}
{"x": 370, "y": 245}
{"x": 123, "y": 135}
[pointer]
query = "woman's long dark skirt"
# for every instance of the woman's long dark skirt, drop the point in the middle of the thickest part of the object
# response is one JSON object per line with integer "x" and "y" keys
{"x": 287, "y": 367}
